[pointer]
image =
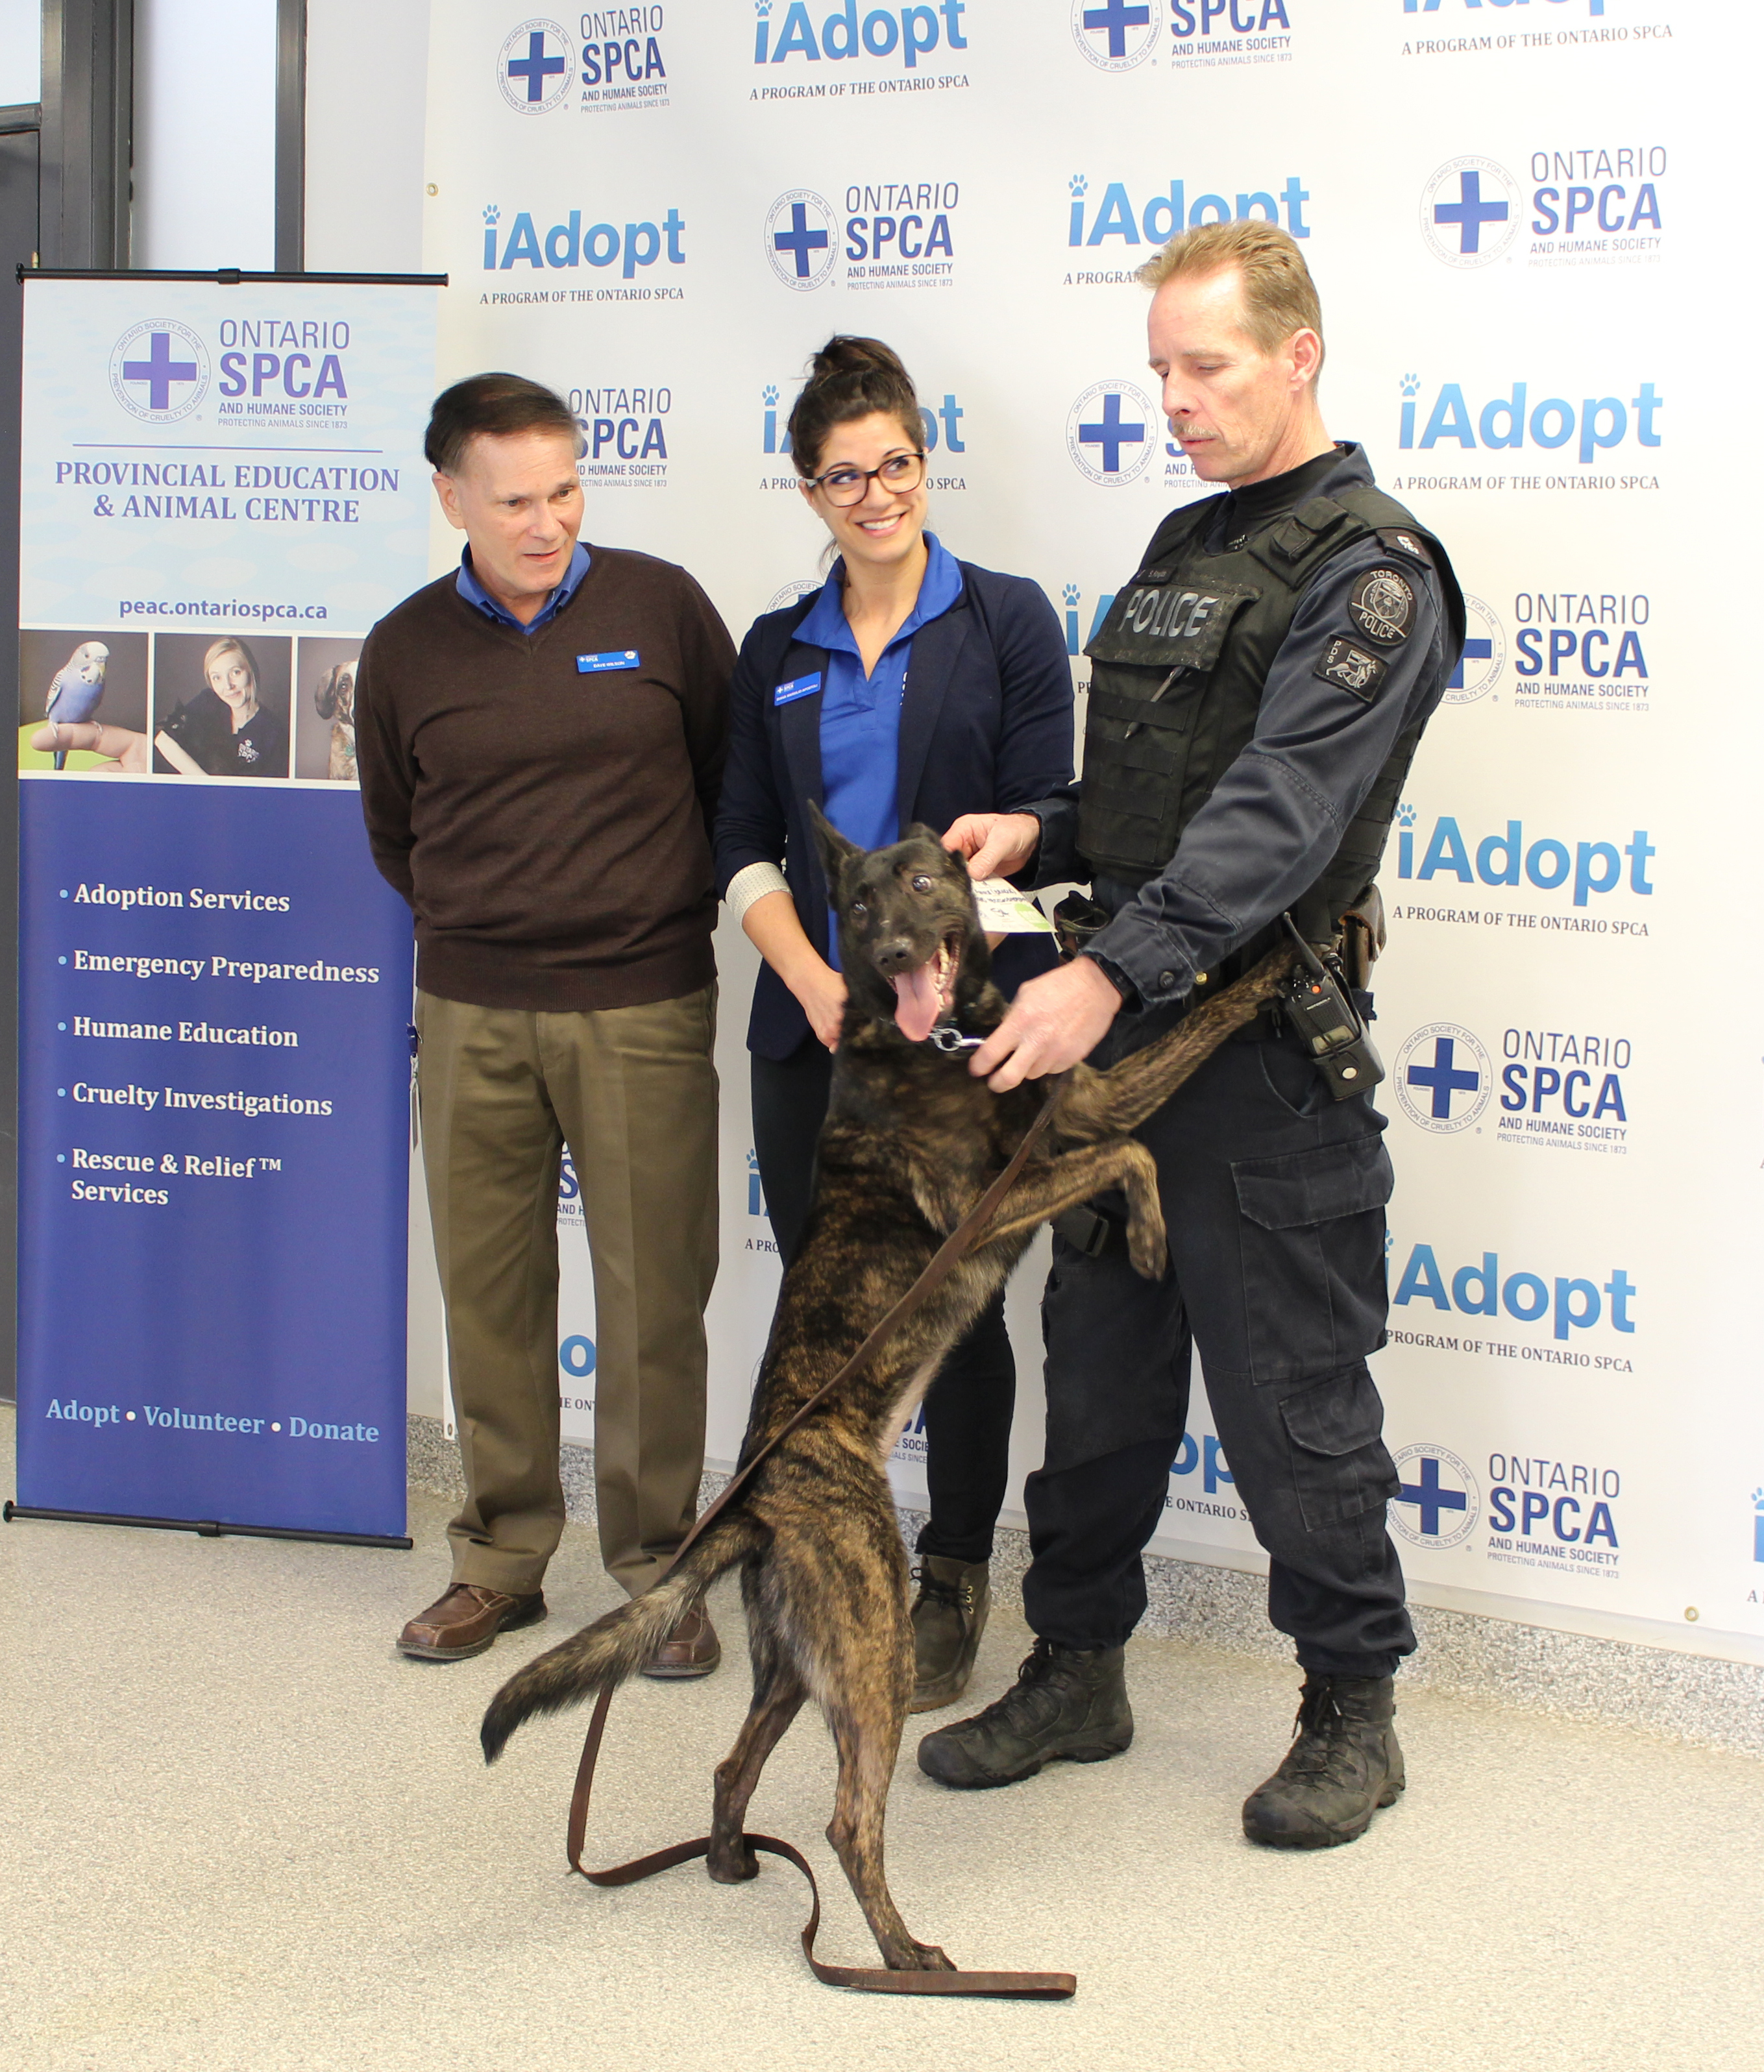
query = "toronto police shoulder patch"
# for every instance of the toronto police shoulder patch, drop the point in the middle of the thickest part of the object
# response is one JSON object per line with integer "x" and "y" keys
{"x": 1352, "y": 668}
{"x": 1383, "y": 605}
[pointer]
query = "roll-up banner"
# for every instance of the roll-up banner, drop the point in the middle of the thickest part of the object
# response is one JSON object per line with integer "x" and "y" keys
{"x": 222, "y": 489}
{"x": 1511, "y": 211}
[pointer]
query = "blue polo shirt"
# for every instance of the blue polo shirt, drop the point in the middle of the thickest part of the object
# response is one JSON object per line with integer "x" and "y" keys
{"x": 473, "y": 592}
{"x": 859, "y": 715}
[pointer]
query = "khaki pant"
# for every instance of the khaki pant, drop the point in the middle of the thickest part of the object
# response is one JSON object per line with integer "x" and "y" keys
{"x": 633, "y": 1092}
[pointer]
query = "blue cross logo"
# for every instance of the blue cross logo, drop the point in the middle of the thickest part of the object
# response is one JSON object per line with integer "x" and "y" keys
{"x": 536, "y": 68}
{"x": 160, "y": 370}
{"x": 1444, "y": 1077}
{"x": 1430, "y": 1498}
{"x": 1470, "y": 211}
{"x": 800, "y": 241}
{"x": 1117, "y": 17}
{"x": 1111, "y": 435}
{"x": 1474, "y": 650}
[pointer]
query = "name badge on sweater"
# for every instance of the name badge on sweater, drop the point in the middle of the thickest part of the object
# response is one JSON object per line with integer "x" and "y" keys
{"x": 798, "y": 687}
{"x": 617, "y": 658}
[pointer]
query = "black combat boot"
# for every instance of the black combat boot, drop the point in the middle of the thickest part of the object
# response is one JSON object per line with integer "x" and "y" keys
{"x": 949, "y": 1616}
{"x": 1066, "y": 1702}
{"x": 1342, "y": 1765}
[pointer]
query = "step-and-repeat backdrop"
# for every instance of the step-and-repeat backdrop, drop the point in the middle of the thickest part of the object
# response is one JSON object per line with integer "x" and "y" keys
{"x": 1522, "y": 217}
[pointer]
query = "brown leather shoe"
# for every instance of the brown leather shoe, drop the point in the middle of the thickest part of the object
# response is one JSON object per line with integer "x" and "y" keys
{"x": 465, "y": 1620}
{"x": 694, "y": 1651}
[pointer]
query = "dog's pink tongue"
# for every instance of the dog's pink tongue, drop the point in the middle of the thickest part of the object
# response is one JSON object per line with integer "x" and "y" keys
{"x": 917, "y": 1003}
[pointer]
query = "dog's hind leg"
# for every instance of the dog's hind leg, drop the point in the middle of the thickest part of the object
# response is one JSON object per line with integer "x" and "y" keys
{"x": 778, "y": 1693}
{"x": 867, "y": 1748}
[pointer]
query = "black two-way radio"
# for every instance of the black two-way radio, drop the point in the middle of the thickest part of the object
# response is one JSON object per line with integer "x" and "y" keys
{"x": 1319, "y": 1005}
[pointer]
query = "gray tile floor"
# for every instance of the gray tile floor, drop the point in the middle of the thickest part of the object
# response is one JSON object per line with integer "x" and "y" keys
{"x": 240, "y": 1833}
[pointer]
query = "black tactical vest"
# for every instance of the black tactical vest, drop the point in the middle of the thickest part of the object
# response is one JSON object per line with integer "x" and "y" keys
{"x": 1178, "y": 672}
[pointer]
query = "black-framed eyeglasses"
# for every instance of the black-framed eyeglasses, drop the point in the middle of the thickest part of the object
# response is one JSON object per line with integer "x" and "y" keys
{"x": 900, "y": 474}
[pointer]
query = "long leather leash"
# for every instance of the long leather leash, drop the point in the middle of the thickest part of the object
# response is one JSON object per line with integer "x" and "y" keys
{"x": 1015, "y": 1985}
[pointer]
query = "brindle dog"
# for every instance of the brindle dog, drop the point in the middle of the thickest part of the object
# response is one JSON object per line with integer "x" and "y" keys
{"x": 910, "y": 1142}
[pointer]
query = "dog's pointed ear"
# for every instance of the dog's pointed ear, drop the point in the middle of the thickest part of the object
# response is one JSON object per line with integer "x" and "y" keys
{"x": 836, "y": 852}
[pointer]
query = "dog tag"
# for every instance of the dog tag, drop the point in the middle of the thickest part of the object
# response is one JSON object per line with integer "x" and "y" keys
{"x": 798, "y": 687}
{"x": 615, "y": 658}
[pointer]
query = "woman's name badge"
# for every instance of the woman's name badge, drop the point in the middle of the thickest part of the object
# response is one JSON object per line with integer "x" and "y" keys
{"x": 798, "y": 687}
{"x": 1004, "y": 911}
{"x": 617, "y": 658}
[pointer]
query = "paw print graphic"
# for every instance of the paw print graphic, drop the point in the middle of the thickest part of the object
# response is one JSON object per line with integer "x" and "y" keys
{"x": 1758, "y": 1497}
{"x": 762, "y": 9}
{"x": 1072, "y": 594}
{"x": 492, "y": 214}
{"x": 1079, "y": 184}
{"x": 769, "y": 395}
{"x": 1412, "y": 384}
{"x": 1405, "y": 816}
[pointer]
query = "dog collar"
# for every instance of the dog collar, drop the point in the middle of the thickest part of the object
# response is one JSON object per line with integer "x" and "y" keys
{"x": 951, "y": 1041}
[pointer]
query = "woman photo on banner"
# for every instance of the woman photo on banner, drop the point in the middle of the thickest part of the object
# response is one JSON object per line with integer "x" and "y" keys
{"x": 909, "y": 687}
{"x": 228, "y": 727}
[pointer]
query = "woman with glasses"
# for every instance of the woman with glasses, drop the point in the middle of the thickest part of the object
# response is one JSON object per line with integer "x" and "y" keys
{"x": 911, "y": 686}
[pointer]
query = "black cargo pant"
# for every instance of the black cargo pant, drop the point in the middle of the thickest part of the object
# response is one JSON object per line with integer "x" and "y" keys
{"x": 1274, "y": 1196}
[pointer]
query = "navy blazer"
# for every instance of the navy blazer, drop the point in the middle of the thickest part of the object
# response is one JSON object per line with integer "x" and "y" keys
{"x": 986, "y": 727}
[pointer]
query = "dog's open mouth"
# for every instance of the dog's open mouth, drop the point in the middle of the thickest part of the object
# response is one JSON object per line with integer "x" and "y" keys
{"x": 922, "y": 998}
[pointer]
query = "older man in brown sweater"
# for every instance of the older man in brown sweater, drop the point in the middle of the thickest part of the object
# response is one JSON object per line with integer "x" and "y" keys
{"x": 541, "y": 738}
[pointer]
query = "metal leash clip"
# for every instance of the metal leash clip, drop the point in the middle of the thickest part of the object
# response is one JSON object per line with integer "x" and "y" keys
{"x": 952, "y": 1041}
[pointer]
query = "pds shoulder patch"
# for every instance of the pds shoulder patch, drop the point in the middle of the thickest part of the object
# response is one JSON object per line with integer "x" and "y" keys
{"x": 1383, "y": 605}
{"x": 1352, "y": 668}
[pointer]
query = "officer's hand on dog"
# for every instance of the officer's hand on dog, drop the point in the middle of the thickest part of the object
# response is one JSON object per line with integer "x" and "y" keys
{"x": 996, "y": 844}
{"x": 1055, "y": 1020}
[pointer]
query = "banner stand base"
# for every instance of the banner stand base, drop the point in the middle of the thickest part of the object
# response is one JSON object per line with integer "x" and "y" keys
{"x": 209, "y": 1528}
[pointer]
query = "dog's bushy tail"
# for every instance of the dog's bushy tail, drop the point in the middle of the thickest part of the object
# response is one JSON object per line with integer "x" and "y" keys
{"x": 605, "y": 1653}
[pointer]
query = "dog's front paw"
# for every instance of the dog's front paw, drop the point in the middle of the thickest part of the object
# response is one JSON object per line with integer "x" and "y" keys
{"x": 1148, "y": 1247}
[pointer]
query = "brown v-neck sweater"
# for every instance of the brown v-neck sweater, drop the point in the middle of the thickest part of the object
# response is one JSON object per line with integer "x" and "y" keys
{"x": 549, "y": 826}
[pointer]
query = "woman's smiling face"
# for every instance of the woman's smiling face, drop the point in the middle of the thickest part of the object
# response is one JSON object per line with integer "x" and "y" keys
{"x": 887, "y": 526}
{"x": 230, "y": 679}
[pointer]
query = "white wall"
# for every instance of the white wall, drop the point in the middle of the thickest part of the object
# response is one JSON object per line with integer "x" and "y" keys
{"x": 205, "y": 133}
{"x": 21, "y": 51}
{"x": 364, "y": 179}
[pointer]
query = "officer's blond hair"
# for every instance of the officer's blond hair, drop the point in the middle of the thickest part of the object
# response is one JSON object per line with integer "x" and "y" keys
{"x": 1279, "y": 295}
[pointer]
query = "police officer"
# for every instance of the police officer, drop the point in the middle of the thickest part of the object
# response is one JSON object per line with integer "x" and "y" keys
{"x": 1257, "y": 691}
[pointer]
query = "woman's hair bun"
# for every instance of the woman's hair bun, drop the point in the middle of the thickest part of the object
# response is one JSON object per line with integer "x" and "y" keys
{"x": 845, "y": 355}
{"x": 848, "y": 378}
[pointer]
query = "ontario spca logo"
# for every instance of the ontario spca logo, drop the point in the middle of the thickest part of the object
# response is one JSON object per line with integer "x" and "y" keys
{"x": 1114, "y": 35}
{"x": 159, "y": 370}
{"x": 1438, "y": 1503}
{"x": 534, "y": 67}
{"x": 1470, "y": 213}
{"x": 1479, "y": 666}
{"x": 1443, "y": 1078}
{"x": 1111, "y": 432}
{"x": 802, "y": 239}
